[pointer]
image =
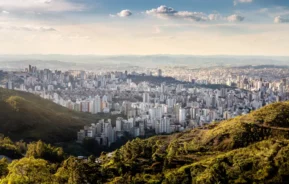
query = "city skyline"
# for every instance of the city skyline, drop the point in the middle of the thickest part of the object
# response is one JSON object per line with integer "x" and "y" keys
{"x": 191, "y": 27}
{"x": 156, "y": 101}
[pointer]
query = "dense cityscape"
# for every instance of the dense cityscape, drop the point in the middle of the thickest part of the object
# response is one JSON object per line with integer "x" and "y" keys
{"x": 144, "y": 92}
{"x": 158, "y": 101}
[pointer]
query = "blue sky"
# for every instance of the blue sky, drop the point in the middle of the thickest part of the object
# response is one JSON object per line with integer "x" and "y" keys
{"x": 190, "y": 5}
{"x": 120, "y": 27}
{"x": 207, "y": 6}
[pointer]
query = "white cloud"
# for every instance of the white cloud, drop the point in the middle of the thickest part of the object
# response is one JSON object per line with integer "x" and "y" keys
{"x": 235, "y": 18}
{"x": 242, "y": 1}
{"x": 41, "y": 5}
{"x": 5, "y": 12}
{"x": 213, "y": 17}
{"x": 28, "y": 28}
{"x": 168, "y": 12}
{"x": 124, "y": 13}
{"x": 195, "y": 16}
{"x": 280, "y": 19}
{"x": 162, "y": 11}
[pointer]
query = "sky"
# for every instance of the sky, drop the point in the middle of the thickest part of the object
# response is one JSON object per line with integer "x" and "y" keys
{"x": 145, "y": 27}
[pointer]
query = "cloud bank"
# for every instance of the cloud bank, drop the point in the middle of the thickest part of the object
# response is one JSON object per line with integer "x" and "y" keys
{"x": 170, "y": 13}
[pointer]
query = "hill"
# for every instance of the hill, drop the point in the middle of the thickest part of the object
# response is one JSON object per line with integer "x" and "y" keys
{"x": 248, "y": 149}
{"x": 29, "y": 117}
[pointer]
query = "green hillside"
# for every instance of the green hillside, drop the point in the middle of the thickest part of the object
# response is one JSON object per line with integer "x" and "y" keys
{"x": 249, "y": 149}
{"x": 29, "y": 117}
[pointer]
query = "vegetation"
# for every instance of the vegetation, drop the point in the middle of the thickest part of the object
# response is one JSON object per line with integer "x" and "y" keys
{"x": 45, "y": 151}
{"x": 278, "y": 116}
{"x": 11, "y": 149}
{"x": 31, "y": 118}
{"x": 27, "y": 117}
{"x": 3, "y": 167}
{"x": 248, "y": 149}
{"x": 28, "y": 170}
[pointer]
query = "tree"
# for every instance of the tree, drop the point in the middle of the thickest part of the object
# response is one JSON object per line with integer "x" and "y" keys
{"x": 8, "y": 148}
{"x": 22, "y": 147}
{"x": 45, "y": 151}
{"x": 28, "y": 171}
{"x": 69, "y": 172}
{"x": 74, "y": 171}
{"x": 3, "y": 167}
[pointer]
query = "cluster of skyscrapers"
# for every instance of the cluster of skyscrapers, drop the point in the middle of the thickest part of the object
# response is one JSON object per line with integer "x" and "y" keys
{"x": 147, "y": 106}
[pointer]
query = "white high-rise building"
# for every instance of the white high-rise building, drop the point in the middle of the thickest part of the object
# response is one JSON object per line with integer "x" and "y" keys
{"x": 84, "y": 106}
{"x": 164, "y": 108}
{"x": 182, "y": 115}
{"x": 170, "y": 103}
{"x": 22, "y": 87}
{"x": 164, "y": 125}
{"x": 92, "y": 107}
{"x": 130, "y": 121}
{"x": 97, "y": 104}
{"x": 119, "y": 124}
{"x": 193, "y": 113}
{"x": 259, "y": 85}
{"x": 159, "y": 113}
{"x": 9, "y": 85}
{"x": 105, "y": 98}
{"x": 163, "y": 88}
{"x": 152, "y": 113}
{"x": 108, "y": 132}
{"x": 146, "y": 98}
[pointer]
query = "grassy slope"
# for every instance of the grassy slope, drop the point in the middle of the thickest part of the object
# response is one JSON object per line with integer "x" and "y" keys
{"x": 29, "y": 117}
{"x": 246, "y": 149}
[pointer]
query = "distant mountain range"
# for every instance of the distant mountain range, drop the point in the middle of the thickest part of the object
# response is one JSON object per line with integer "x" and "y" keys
{"x": 92, "y": 62}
